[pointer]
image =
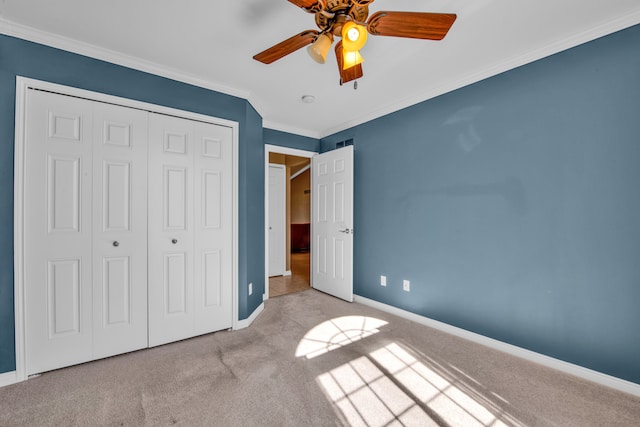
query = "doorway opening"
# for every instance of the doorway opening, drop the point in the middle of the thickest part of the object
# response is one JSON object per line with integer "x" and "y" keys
{"x": 295, "y": 276}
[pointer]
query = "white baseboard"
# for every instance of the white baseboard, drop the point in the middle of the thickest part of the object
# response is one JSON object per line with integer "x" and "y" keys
{"x": 287, "y": 273}
{"x": 8, "y": 378}
{"x": 532, "y": 356}
{"x": 245, "y": 323}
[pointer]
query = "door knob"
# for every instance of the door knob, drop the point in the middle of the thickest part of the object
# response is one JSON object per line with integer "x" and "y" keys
{"x": 116, "y": 243}
{"x": 345, "y": 231}
{"x": 174, "y": 241}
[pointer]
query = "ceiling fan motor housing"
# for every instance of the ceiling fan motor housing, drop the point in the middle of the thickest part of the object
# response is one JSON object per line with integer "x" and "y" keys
{"x": 337, "y": 13}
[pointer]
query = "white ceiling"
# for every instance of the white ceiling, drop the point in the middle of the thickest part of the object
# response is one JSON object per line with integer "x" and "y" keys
{"x": 211, "y": 44}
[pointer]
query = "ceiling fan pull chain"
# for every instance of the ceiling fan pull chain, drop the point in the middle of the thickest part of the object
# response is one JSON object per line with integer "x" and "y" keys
{"x": 355, "y": 85}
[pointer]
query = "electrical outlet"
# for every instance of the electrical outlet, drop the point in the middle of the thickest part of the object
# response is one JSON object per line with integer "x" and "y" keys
{"x": 383, "y": 280}
{"x": 250, "y": 288}
{"x": 406, "y": 285}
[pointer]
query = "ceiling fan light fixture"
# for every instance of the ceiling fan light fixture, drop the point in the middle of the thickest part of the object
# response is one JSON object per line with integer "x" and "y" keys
{"x": 349, "y": 21}
{"x": 319, "y": 49}
{"x": 354, "y": 36}
{"x": 351, "y": 58}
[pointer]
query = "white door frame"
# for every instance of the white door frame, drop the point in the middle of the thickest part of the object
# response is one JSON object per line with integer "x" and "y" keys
{"x": 268, "y": 148}
{"x": 23, "y": 84}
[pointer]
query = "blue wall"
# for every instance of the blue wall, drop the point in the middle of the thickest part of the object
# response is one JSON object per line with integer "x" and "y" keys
{"x": 18, "y": 57}
{"x": 513, "y": 206}
{"x": 290, "y": 140}
{"x": 251, "y": 207}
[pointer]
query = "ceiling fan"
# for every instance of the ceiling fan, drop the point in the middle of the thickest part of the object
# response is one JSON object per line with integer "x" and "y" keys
{"x": 347, "y": 19}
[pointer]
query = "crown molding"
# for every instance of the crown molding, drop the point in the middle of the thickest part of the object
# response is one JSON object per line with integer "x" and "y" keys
{"x": 506, "y": 65}
{"x": 82, "y": 48}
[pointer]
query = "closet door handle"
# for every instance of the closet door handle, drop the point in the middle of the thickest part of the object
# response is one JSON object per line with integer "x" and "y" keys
{"x": 116, "y": 243}
{"x": 174, "y": 241}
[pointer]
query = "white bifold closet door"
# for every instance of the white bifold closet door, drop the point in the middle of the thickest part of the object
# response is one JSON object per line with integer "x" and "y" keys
{"x": 190, "y": 228}
{"x": 85, "y": 234}
{"x": 128, "y": 229}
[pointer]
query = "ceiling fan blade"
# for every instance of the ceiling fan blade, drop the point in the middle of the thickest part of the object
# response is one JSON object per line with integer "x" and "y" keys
{"x": 311, "y": 6}
{"x": 286, "y": 47}
{"x": 349, "y": 74}
{"x": 416, "y": 25}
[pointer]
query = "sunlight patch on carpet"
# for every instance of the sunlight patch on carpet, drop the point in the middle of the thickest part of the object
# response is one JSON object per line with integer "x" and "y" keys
{"x": 390, "y": 386}
{"x": 337, "y": 333}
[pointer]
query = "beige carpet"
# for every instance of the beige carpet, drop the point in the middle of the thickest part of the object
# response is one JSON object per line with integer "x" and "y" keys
{"x": 310, "y": 359}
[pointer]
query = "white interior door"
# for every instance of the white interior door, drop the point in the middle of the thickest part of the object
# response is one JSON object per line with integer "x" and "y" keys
{"x": 171, "y": 313}
{"x": 58, "y": 179}
{"x": 213, "y": 224}
{"x": 85, "y": 234}
{"x": 190, "y": 228}
{"x": 277, "y": 220}
{"x": 119, "y": 229}
{"x": 332, "y": 223}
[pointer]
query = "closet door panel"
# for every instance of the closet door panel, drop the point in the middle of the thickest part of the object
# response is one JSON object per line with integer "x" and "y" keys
{"x": 175, "y": 283}
{"x": 213, "y": 221}
{"x": 120, "y": 229}
{"x": 171, "y": 230}
{"x": 57, "y": 197}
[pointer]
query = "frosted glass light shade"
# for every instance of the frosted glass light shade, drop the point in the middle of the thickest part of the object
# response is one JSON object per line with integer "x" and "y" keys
{"x": 319, "y": 49}
{"x": 354, "y": 36}
{"x": 351, "y": 59}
